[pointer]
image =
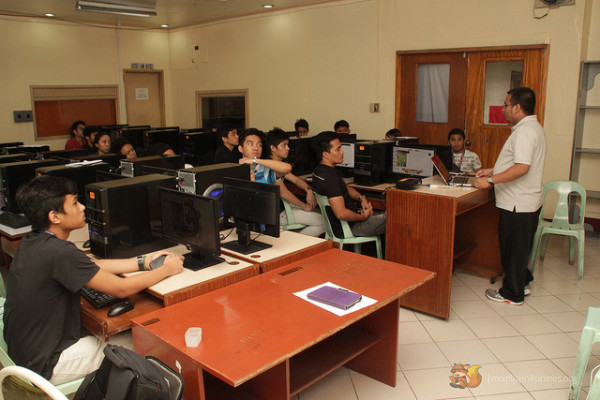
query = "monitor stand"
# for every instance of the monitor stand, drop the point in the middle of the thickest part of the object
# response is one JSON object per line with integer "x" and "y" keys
{"x": 244, "y": 245}
{"x": 197, "y": 260}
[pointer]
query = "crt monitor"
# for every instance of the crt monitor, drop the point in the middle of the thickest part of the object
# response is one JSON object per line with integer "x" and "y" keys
{"x": 254, "y": 207}
{"x": 191, "y": 220}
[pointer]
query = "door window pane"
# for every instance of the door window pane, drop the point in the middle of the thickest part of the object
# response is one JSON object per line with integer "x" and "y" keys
{"x": 500, "y": 77}
{"x": 223, "y": 109}
{"x": 433, "y": 84}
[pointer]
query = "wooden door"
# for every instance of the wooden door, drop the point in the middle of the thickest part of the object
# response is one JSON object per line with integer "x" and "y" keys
{"x": 406, "y": 96}
{"x": 144, "y": 97}
{"x": 486, "y": 136}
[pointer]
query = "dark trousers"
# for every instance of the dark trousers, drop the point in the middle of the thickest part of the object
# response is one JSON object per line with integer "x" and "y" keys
{"x": 516, "y": 232}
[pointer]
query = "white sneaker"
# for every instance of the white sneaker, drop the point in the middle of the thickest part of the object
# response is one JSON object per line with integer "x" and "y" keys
{"x": 494, "y": 295}
{"x": 527, "y": 290}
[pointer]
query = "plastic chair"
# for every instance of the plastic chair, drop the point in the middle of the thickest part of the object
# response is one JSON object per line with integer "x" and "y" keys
{"x": 292, "y": 224}
{"x": 348, "y": 238}
{"x": 6, "y": 361}
{"x": 33, "y": 378}
{"x": 589, "y": 336}
{"x": 560, "y": 223}
{"x": 594, "y": 392}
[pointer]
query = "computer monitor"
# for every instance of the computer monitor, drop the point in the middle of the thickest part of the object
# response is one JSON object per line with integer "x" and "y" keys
{"x": 113, "y": 159}
{"x": 191, "y": 220}
{"x": 61, "y": 154}
{"x": 410, "y": 161}
{"x": 135, "y": 134}
{"x": 444, "y": 152}
{"x": 349, "y": 148}
{"x": 30, "y": 149}
{"x": 198, "y": 148}
{"x": 6, "y": 158}
{"x": 301, "y": 155}
{"x": 11, "y": 144}
{"x": 169, "y": 136}
{"x": 254, "y": 207}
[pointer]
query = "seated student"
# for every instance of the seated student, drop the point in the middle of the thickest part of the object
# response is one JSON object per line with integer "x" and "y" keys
{"x": 393, "y": 133}
{"x": 463, "y": 159}
{"x": 90, "y": 133}
{"x": 341, "y": 127}
{"x": 346, "y": 203}
{"x": 102, "y": 143}
{"x": 42, "y": 317}
{"x": 228, "y": 151}
{"x": 123, "y": 147}
{"x": 301, "y": 127}
{"x": 304, "y": 213}
{"x": 263, "y": 171}
{"x": 77, "y": 140}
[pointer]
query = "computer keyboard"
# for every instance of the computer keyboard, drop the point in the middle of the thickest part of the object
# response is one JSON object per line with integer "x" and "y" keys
{"x": 13, "y": 220}
{"x": 98, "y": 299}
{"x": 460, "y": 179}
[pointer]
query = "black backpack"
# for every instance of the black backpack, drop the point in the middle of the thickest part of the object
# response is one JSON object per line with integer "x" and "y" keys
{"x": 125, "y": 375}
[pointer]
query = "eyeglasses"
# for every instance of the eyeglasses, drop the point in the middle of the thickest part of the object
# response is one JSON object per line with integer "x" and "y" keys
{"x": 508, "y": 105}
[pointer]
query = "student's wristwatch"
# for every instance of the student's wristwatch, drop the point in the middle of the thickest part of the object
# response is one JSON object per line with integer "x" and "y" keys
{"x": 253, "y": 160}
{"x": 140, "y": 263}
{"x": 489, "y": 179}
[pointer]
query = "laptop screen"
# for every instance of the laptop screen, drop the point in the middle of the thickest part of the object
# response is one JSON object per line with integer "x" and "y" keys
{"x": 410, "y": 161}
{"x": 441, "y": 168}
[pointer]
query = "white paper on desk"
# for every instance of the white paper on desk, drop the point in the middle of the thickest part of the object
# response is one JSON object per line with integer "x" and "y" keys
{"x": 364, "y": 302}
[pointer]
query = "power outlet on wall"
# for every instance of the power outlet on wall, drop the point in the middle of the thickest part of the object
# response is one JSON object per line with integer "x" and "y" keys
{"x": 23, "y": 116}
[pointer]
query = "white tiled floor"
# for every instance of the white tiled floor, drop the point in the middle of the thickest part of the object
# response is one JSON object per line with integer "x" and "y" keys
{"x": 525, "y": 352}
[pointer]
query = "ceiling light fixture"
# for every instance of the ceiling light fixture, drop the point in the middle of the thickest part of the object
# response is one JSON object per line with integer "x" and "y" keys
{"x": 164, "y": 26}
{"x": 268, "y": 6}
{"x": 49, "y": 14}
{"x": 112, "y": 8}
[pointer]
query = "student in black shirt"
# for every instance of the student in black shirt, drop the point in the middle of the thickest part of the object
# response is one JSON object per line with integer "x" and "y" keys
{"x": 42, "y": 323}
{"x": 346, "y": 203}
{"x": 228, "y": 152}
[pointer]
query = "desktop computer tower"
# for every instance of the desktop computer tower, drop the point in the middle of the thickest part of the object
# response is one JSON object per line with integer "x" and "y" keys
{"x": 11, "y": 144}
{"x": 81, "y": 174}
{"x": 13, "y": 174}
{"x": 198, "y": 148}
{"x": 133, "y": 167}
{"x": 6, "y": 158}
{"x": 169, "y": 136}
{"x": 42, "y": 155}
{"x": 135, "y": 134}
{"x": 198, "y": 179}
{"x": 124, "y": 216}
{"x": 29, "y": 149}
{"x": 372, "y": 162}
{"x": 301, "y": 156}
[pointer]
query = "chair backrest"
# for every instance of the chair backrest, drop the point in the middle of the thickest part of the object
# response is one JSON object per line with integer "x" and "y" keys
{"x": 561, "y": 214}
{"x": 31, "y": 377}
{"x": 291, "y": 221}
{"x": 323, "y": 203}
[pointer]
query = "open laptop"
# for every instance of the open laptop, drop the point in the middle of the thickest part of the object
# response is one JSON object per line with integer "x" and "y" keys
{"x": 459, "y": 180}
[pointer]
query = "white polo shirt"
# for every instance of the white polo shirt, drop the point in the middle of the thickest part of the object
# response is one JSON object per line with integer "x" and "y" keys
{"x": 525, "y": 145}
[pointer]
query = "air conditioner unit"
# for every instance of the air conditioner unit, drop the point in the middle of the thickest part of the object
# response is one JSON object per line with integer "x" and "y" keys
{"x": 552, "y": 3}
{"x": 133, "y": 8}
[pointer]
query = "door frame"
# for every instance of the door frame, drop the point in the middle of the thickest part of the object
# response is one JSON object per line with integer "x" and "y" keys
{"x": 161, "y": 89}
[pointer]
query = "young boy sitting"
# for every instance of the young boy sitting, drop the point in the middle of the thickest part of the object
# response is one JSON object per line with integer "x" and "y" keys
{"x": 42, "y": 324}
{"x": 463, "y": 159}
{"x": 304, "y": 212}
{"x": 263, "y": 171}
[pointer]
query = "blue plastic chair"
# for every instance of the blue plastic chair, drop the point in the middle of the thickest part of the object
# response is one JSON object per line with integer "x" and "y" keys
{"x": 560, "y": 224}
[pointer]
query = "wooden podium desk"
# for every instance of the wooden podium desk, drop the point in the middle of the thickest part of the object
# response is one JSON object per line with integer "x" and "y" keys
{"x": 437, "y": 229}
{"x": 262, "y": 340}
{"x": 171, "y": 290}
{"x": 288, "y": 247}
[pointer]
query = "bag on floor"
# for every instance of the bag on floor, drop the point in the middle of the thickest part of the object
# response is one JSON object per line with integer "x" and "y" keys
{"x": 125, "y": 375}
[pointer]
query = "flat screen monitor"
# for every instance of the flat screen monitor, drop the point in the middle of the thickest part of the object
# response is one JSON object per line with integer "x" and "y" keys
{"x": 135, "y": 134}
{"x": 191, "y": 220}
{"x": 412, "y": 161}
{"x": 349, "y": 150}
{"x": 254, "y": 207}
{"x": 168, "y": 136}
{"x": 444, "y": 152}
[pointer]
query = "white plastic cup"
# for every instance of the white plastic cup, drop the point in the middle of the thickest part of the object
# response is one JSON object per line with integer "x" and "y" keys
{"x": 193, "y": 337}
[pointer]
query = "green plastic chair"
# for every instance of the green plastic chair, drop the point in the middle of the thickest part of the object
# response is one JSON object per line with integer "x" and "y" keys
{"x": 589, "y": 336}
{"x": 594, "y": 392}
{"x": 65, "y": 388}
{"x": 560, "y": 223}
{"x": 292, "y": 224}
{"x": 348, "y": 238}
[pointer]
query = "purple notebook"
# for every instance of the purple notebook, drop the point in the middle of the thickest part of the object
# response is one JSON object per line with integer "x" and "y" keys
{"x": 337, "y": 297}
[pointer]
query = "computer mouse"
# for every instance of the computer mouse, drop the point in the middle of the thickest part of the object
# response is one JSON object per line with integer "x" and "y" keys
{"x": 86, "y": 244}
{"x": 119, "y": 308}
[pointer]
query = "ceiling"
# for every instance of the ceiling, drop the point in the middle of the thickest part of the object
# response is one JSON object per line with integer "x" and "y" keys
{"x": 175, "y": 13}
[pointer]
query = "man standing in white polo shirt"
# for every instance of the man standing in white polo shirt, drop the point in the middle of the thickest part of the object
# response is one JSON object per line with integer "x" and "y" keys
{"x": 517, "y": 181}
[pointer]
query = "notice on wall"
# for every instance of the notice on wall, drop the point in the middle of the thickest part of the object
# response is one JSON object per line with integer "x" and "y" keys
{"x": 141, "y": 94}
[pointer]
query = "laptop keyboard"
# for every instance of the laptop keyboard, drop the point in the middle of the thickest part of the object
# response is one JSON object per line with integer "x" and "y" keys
{"x": 460, "y": 179}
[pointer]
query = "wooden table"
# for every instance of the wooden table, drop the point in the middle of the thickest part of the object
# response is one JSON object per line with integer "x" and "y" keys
{"x": 438, "y": 229}
{"x": 262, "y": 340}
{"x": 288, "y": 247}
{"x": 171, "y": 290}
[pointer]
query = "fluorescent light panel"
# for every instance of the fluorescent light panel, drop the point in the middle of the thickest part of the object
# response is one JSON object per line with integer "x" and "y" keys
{"x": 111, "y": 8}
